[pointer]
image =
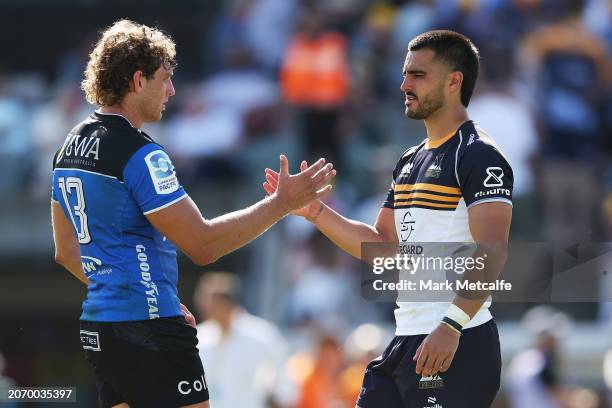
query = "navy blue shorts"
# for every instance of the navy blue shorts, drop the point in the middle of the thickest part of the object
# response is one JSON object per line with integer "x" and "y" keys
{"x": 472, "y": 380}
{"x": 147, "y": 364}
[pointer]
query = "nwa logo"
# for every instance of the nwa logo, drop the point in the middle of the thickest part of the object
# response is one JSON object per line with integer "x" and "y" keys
{"x": 432, "y": 400}
{"x": 162, "y": 172}
{"x": 80, "y": 146}
{"x": 433, "y": 381}
{"x": 435, "y": 169}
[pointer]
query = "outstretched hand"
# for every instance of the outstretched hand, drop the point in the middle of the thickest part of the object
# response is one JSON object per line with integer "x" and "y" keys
{"x": 300, "y": 194}
{"x": 311, "y": 208}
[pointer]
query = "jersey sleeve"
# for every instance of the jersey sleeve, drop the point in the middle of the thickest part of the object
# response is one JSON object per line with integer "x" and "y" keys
{"x": 151, "y": 179}
{"x": 484, "y": 175}
{"x": 390, "y": 200}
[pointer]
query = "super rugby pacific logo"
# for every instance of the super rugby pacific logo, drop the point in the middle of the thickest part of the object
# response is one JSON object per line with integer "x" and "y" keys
{"x": 162, "y": 172}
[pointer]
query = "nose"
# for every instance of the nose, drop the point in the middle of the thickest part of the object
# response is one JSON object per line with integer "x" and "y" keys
{"x": 171, "y": 89}
{"x": 405, "y": 86}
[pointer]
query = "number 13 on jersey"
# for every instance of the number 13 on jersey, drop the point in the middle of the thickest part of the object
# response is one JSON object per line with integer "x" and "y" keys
{"x": 72, "y": 186}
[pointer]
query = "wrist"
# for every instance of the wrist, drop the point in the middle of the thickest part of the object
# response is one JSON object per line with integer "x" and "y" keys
{"x": 445, "y": 326}
{"x": 313, "y": 217}
{"x": 279, "y": 207}
{"x": 455, "y": 319}
{"x": 457, "y": 315}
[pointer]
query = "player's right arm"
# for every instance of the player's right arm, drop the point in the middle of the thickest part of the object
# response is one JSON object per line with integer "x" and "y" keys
{"x": 204, "y": 241}
{"x": 347, "y": 234}
{"x": 67, "y": 252}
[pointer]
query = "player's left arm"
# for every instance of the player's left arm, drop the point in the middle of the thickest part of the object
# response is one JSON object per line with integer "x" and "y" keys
{"x": 67, "y": 251}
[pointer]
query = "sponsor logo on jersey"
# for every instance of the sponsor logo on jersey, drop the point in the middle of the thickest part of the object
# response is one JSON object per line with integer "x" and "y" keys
{"x": 186, "y": 387}
{"x": 91, "y": 264}
{"x": 472, "y": 138}
{"x": 150, "y": 287}
{"x": 493, "y": 191}
{"x": 162, "y": 172}
{"x": 435, "y": 169}
{"x": 494, "y": 177}
{"x": 406, "y": 226}
{"x": 407, "y": 169}
{"x": 90, "y": 340}
{"x": 433, "y": 381}
{"x": 79, "y": 149}
{"x": 432, "y": 400}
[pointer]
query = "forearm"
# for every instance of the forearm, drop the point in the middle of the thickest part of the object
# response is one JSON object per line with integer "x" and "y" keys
{"x": 494, "y": 256}
{"x": 74, "y": 266}
{"x": 347, "y": 234}
{"x": 231, "y": 231}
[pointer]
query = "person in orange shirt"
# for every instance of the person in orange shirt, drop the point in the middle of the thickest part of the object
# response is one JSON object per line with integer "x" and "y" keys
{"x": 315, "y": 80}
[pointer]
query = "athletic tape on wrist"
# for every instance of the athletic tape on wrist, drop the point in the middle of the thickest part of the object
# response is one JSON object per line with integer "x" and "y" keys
{"x": 456, "y": 314}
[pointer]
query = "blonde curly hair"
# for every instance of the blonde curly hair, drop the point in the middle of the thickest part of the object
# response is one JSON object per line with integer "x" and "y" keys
{"x": 124, "y": 48}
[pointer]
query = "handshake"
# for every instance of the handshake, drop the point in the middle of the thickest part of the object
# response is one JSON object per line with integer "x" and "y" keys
{"x": 300, "y": 194}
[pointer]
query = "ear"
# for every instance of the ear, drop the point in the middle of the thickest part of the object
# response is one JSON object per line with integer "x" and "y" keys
{"x": 455, "y": 81}
{"x": 136, "y": 84}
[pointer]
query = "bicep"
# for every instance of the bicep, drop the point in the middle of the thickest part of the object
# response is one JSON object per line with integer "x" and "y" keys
{"x": 181, "y": 223}
{"x": 385, "y": 225}
{"x": 63, "y": 231}
{"x": 490, "y": 222}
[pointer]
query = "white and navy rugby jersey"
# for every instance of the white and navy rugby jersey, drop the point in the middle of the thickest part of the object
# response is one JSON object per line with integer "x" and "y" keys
{"x": 107, "y": 176}
{"x": 434, "y": 185}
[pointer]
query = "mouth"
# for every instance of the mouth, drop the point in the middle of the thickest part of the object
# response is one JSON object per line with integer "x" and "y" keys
{"x": 410, "y": 99}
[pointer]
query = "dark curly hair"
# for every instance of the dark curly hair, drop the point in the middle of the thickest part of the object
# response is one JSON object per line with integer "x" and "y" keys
{"x": 124, "y": 48}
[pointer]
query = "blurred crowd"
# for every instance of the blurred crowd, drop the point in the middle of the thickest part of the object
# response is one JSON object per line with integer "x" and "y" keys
{"x": 321, "y": 79}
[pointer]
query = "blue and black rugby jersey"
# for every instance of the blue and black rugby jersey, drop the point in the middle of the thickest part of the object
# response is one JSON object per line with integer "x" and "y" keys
{"x": 107, "y": 176}
{"x": 434, "y": 185}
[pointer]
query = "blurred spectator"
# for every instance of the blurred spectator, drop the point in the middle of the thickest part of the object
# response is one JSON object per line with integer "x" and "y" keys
{"x": 322, "y": 388}
{"x": 263, "y": 27}
{"x": 5, "y": 384}
{"x": 568, "y": 65}
{"x": 315, "y": 79}
{"x": 50, "y": 126}
{"x": 324, "y": 290}
{"x": 533, "y": 376}
{"x": 244, "y": 356}
{"x": 215, "y": 120}
{"x": 201, "y": 137}
{"x": 15, "y": 142}
{"x": 499, "y": 108}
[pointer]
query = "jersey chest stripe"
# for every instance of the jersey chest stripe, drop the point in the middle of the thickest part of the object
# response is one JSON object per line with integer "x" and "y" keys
{"x": 87, "y": 171}
{"x": 413, "y": 195}
{"x": 427, "y": 203}
{"x": 427, "y": 186}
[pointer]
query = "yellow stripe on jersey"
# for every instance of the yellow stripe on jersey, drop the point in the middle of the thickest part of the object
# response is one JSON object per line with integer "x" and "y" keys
{"x": 436, "y": 197}
{"x": 426, "y": 186}
{"x": 425, "y": 204}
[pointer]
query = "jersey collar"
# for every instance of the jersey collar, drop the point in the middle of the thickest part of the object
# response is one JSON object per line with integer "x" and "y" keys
{"x": 434, "y": 145}
{"x": 112, "y": 115}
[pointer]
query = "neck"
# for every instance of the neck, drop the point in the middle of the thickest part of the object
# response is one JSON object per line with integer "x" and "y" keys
{"x": 122, "y": 109}
{"x": 445, "y": 121}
